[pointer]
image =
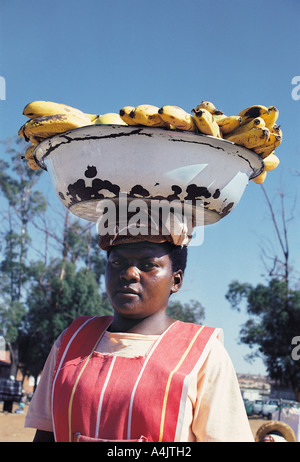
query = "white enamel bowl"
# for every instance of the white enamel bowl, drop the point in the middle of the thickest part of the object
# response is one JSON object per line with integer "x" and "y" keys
{"x": 97, "y": 162}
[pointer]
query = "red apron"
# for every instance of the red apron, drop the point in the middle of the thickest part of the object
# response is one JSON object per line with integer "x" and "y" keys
{"x": 104, "y": 397}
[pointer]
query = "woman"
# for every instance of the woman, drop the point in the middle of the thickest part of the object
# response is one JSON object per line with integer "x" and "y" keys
{"x": 139, "y": 375}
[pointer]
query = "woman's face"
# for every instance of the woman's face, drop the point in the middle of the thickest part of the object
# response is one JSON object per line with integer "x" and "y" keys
{"x": 139, "y": 279}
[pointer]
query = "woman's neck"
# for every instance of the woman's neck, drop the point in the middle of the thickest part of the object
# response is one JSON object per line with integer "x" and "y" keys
{"x": 152, "y": 325}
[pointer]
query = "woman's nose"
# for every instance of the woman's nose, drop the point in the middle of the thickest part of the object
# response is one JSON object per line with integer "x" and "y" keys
{"x": 131, "y": 273}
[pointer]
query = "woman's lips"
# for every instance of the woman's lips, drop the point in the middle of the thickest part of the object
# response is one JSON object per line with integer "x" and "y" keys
{"x": 127, "y": 291}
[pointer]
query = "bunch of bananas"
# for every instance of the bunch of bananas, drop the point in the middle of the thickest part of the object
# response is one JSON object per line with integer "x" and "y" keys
{"x": 48, "y": 119}
{"x": 254, "y": 127}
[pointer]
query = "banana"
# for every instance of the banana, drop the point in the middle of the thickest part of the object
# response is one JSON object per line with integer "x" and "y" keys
{"x": 177, "y": 117}
{"x": 46, "y": 126}
{"x": 44, "y": 108}
{"x": 228, "y": 124}
{"x": 253, "y": 138}
{"x": 218, "y": 117}
{"x": 206, "y": 123}
{"x": 271, "y": 162}
{"x": 109, "y": 118}
{"x": 32, "y": 164}
{"x": 271, "y": 118}
{"x": 269, "y": 146}
{"x": 92, "y": 117}
{"x": 146, "y": 114}
{"x": 35, "y": 139}
{"x": 29, "y": 152}
{"x": 257, "y": 122}
{"x": 260, "y": 178}
{"x": 276, "y": 129}
{"x": 252, "y": 112}
{"x": 21, "y": 133}
{"x": 210, "y": 107}
{"x": 125, "y": 115}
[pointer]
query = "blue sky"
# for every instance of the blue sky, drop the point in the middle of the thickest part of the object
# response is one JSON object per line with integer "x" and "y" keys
{"x": 99, "y": 56}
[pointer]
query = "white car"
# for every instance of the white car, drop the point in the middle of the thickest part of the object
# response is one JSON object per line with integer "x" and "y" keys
{"x": 257, "y": 406}
{"x": 270, "y": 406}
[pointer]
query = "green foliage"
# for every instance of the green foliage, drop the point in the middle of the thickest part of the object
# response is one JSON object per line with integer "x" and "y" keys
{"x": 187, "y": 312}
{"x": 274, "y": 321}
{"x": 11, "y": 318}
{"x": 53, "y": 303}
{"x": 38, "y": 300}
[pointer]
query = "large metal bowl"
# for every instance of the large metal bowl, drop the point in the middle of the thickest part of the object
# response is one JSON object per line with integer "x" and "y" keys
{"x": 93, "y": 163}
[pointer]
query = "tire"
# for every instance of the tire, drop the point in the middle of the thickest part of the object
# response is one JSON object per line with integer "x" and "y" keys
{"x": 275, "y": 426}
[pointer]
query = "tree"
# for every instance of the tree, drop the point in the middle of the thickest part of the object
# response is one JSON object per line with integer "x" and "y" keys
{"x": 39, "y": 298}
{"x": 274, "y": 321}
{"x": 53, "y": 303}
{"x": 192, "y": 311}
{"x": 23, "y": 203}
{"x": 273, "y": 308}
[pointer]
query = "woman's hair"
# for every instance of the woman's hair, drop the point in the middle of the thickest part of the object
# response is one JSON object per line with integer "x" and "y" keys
{"x": 178, "y": 256}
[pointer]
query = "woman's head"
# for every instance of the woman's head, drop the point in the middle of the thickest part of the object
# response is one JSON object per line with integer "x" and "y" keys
{"x": 140, "y": 277}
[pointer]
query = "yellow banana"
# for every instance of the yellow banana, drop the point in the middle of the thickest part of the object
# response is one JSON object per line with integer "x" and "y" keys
{"x": 271, "y": 162}
{"x": 21, "y": 132}
{"x": 271, "y": 118}
{"x": 252, "y": 112}
{"x": 125, "y": 115}
{"x": 109, "y": 118}
{"x": 146, "y": 114}
{"x": 253, "y": 138}
{"x": 218, "y": 117}
{"x": 269, "y": 146}
{"x": 35, "y": 139}
{"x": 44, "y": 108}
{"x": 46, "y": 126}
{"x": 228, "y": 124}
{"x": 32, "y": 164}
{"x": 260, "y": 178}
{"x": 257, "y": 122}
{"x": 206, "y": 123}
{"x": 276, "y": 129}
{"x": 208, "y": 106}
{"x": 177, "y": 118}
{"x": 92, "y": 117}
{"x": 29, "y": 152}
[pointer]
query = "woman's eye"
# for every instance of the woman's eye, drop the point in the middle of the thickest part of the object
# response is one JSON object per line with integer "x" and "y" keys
{"x": 148, "y": 265}
{"x": 115, "y": 262}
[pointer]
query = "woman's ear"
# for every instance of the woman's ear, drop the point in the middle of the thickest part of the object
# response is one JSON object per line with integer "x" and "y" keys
{"x": 177, "y": 281}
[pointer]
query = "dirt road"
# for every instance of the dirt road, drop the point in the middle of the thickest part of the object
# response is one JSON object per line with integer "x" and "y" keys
{"x": 12, "y": 428}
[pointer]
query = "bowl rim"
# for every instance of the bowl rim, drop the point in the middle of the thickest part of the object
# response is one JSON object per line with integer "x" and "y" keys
{"x": 48, "y": 145}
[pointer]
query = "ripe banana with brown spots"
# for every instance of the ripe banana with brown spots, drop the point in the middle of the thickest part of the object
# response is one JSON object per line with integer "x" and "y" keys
{"x": 269, "y": 146}
{"x": 50, "y": 125}
{"x": 208, "y": 106}
{"x": 146, "y": 114}
{"x": 228, "y": 124}
{"x": 257, "y": 122}
{"x": 252, "y": 112}
{"x": 43, "y": 108}
{"x": 253, "y": 138}
{"x": 125, "y": 115}
{"x": 271, "y": 118}
{"x": 206, "y": 123}
{"x": 177, "y": 118}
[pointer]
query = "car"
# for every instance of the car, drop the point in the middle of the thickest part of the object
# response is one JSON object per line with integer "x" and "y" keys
{"x": 269, "y": 406}
{"x": 257, "y": 406}
{"x": 248, "y": 406}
